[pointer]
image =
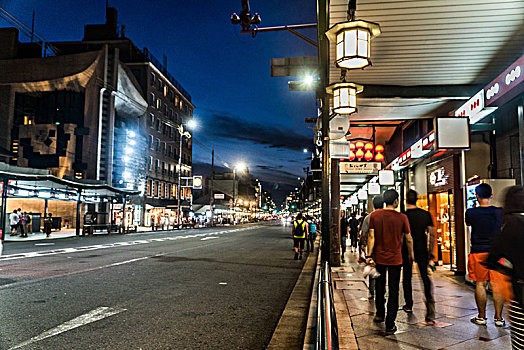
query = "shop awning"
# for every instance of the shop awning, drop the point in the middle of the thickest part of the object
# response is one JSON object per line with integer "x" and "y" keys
{"x": 49, "y": 186}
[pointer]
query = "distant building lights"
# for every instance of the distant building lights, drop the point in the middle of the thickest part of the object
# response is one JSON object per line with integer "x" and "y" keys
{"x": 132, "y": 142}
{"x": 128, "y": 150}
{"x": 131, "y": 133}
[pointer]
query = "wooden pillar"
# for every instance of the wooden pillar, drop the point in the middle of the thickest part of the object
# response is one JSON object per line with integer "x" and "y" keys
{"x": 334, "y": 225}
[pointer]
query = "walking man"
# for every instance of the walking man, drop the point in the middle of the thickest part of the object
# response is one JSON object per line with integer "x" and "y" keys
{"x": 353, "y": 231}
{"x": 421, "y": 225}
{"x": 13, "y": 221}
{"x": 378, "y": 203}
{"x": 387, "y": 228}
{"x": 485, "y": 221}
{"x": 344, "y": 230}
{"x": 312, "y": 234}
{"x": 300, "y": 233}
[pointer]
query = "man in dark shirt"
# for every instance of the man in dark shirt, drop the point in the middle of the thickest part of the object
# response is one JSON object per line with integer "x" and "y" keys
{"x": 421, "y": 225}
{"x": 387, "y": 228}
{"x": 485, "y": 221}
{"x": 353, "y": 231}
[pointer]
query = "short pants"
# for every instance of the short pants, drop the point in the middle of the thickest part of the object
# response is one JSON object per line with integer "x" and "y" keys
{"x": 299, "y": 242}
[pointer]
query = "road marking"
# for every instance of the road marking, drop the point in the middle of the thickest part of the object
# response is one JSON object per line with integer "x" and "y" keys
{"x": 128, "y": 261}
{"x": 206, "y": 238}
{"x": 92, "y": 316}
{"x": 117, "y": 244}
{"x": 40, "y": 244}
{"x": 223, "y": 283}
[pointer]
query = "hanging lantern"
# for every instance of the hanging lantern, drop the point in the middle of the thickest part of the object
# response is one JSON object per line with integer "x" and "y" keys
{"x": 352, "y": 43}
{"x": 368, "y": 156}
{"x": 359, "y": 145}
{"x": 352, "y": 155}
{"x": 379, "y": 148}
{"x": 369, "y": 146}
{"x": 344, "y": 97}
{"x": 351, "y": 146}
{"x": 359, "y": 154}
{"x": 379, "y": 157}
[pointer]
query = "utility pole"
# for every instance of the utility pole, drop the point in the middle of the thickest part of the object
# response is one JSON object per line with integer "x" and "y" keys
{"x": 212, "y": 193}
{"x": 323, "y": 56}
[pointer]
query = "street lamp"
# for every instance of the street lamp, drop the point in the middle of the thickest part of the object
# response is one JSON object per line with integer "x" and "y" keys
{"x": 240, "y": 166}
{"x": 183, "y": 133}
{"x": 344, "y": 97}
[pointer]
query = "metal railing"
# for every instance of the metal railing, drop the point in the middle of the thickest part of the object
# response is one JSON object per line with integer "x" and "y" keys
{"x": 327, "y": 331}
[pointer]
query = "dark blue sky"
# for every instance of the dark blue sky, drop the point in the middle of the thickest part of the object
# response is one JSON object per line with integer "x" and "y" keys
{"x": 242, "y": 112}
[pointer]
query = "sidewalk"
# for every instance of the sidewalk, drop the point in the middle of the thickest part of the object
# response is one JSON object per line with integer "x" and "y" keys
{"x": 455, "y": 305}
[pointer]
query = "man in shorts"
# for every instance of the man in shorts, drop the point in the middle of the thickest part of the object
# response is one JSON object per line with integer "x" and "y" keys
{"x": 485, "y": 221}
{"x": 13, "y": 221}
{"x": 300, "y": 233}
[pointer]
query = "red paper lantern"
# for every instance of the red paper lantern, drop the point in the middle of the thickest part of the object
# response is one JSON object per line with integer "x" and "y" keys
{"x": 379, "y": 148}
{"x": 359, "y": 154}
{"x": 351, "y": 146}
{"x": 368, "y": 146}
{"x": 368, "y": 156}
{"x": 359, "y": 145}
{"x": 352, "y": 155}
{"x": 379, "y": 157}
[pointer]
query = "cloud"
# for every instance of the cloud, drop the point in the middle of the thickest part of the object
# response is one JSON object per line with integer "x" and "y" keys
{"x": 270, "y": 134}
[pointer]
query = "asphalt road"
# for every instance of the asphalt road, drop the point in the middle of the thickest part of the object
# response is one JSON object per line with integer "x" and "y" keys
{"x": 222, "y": 288}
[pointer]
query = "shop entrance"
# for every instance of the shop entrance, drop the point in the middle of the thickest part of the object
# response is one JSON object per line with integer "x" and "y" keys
{"x": 441, "y": 207}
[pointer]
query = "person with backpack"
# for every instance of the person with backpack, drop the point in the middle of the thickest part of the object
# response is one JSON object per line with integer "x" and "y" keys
{"x": 506, "y": 258}
{"x": 312, "y": 234}
{"x": 300, "y": 233}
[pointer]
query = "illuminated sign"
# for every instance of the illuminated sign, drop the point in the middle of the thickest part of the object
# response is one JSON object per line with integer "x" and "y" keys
{"x": 197, "y": 182}
{"x": 359, "y": 167}
{"x": 472, "y": 107}
{"x": 438, "y": 177}
{"x": 507, "y": 81}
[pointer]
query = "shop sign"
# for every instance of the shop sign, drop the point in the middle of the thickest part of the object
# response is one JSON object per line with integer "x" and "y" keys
{"x": 438, "y": 177}
{"x": 373, "y": 188}
{"x": 472, "y": 107}
{"x": 505, "y": 82}
{"x": 219, "y": 196}
{"x": 359, "y": 167}
{"x": 417, "y": 150}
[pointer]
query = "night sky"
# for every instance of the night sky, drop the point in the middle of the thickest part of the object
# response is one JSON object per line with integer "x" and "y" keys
{"x": 244, "y": 113}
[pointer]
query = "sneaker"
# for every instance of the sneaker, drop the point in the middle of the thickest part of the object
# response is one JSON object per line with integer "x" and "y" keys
{"x": 391, "y": 330}
{"x": 378, "y": 319}
{"x": 296, "y": 256}
{"x": 409, "y": 310}
{"x": 479, "y": 321}
{"x": 343, "y": 259}
{"x": 500, "y": 322}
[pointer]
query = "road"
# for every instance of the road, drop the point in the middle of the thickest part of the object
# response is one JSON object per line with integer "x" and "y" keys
{"x": 221, "y": 288}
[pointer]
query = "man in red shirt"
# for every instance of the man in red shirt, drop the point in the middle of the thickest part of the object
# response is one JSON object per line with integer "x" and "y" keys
{"x": 387, "y": 227}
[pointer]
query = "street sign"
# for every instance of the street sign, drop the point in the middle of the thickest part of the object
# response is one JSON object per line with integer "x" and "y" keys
{"x": 294, "y": 66}
{"x": 360, "y": 167}
{"x": 219, "y": 196}
{"x": 311, "y": 120}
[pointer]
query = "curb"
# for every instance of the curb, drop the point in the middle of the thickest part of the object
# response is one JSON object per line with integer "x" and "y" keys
{"x": 291, "y": 327}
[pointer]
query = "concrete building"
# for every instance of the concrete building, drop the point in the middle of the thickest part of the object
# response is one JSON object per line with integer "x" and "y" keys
{"x": 99, "y": 109}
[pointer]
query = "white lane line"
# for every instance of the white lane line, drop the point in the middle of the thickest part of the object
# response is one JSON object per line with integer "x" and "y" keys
{"x": 207, "y": 238}
{"x": 114, "y": 245}
{"x": 128, "y": 261}
{"x": 40, "y": 244}
{"x": 92, "y": 316}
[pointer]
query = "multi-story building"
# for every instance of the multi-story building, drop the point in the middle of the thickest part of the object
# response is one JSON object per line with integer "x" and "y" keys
{"x": 99, "y": 109}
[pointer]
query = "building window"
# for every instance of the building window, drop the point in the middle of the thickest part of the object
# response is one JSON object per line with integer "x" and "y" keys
{"x": 165, "y": 90}
{"x": 160, "y": 85}
{"x": 155, "y": 189}
{"x": 163, "y": 168}
{"x": 181, "y": 104}
{"x": 148, "y": 187}
{"x": 152, "y": 79}
{"x": 170, "y": 114}
{"x": 152, "y": 99}
{"x": 174, "y": 191}
{"x": 176, "y": 100}
{"x": 166, "y": 191}
{"x": 158, "y": 103}
{"x": 151, "y": 120}
{"x": 169, "y": 190}
{"x": 157, "y": 145}
{"x": 163, "y": 148}
{"x": 150, "y": 141}
{"x": 170, "y": 150}
{"x": 161, "y": 194}
{"x": 150, "y": 165}
{"x": 157, "y": 165}
{"x": 159, "y": 126}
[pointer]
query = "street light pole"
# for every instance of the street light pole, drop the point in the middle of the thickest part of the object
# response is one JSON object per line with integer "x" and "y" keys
{"x": 179, "y": 221}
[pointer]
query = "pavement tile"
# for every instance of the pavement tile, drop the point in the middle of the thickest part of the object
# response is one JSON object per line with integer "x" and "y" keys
{"x": 499, "y": 343}
{"x": 463, "y": 325}
{"x": 430, "y": 337}
{"x": 374, "y": 342}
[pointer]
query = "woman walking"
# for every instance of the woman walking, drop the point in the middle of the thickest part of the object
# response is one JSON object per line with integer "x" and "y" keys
{"x": 506, "y": 257}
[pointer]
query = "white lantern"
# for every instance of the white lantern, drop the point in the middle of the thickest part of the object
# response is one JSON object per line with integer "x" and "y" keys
{"x": 352, "y": 40}
{"x": 344, "y": 97}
